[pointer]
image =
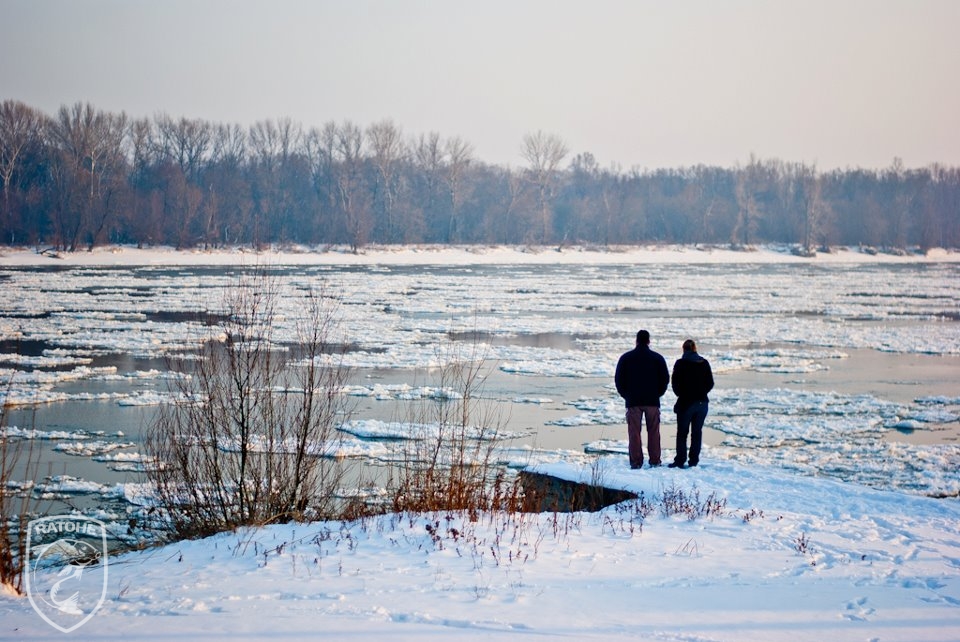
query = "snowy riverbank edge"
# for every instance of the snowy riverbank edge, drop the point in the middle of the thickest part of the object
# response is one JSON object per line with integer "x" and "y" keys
{"x": 792, "y": 558}
{"x": 117, "y": 255}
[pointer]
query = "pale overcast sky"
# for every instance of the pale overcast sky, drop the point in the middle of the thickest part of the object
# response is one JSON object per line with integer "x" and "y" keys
{"x": 639, "y": 83}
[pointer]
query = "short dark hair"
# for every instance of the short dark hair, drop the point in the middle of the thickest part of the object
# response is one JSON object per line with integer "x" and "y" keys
{"x": 643, "y": 338}
{"x": 689, "y": 345}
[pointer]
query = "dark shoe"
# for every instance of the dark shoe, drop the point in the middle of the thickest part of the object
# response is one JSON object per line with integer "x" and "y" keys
{"x": 632, "y": 467}
{"x": 692, "y": 464}
{"x": 654, "y": 465}
{"x": 676, "y": 465}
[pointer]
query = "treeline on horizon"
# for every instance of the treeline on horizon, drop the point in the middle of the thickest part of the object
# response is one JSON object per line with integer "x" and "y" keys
{"x": 85, "y": 177}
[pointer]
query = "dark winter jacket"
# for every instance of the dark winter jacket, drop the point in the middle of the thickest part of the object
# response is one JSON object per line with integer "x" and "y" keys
{"x": 692, "y": 379}
{"x": 642, "y": 377}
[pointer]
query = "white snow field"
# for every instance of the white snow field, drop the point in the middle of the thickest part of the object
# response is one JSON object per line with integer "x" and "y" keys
{"x": 831, "y": 462}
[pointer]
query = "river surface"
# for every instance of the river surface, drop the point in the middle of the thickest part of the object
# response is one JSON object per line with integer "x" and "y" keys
{"x": 848, "y": 371}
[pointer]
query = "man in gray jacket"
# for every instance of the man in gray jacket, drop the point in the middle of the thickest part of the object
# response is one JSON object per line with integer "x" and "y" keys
{"x": 642, "y": 378}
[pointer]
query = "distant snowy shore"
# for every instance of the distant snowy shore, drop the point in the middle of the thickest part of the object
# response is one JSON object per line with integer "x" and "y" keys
{"x": 460, "y": 255}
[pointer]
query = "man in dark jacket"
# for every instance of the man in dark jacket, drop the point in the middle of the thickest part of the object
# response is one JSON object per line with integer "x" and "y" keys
{"x": 692, "y": 380}
{"x": 642, "y": 378}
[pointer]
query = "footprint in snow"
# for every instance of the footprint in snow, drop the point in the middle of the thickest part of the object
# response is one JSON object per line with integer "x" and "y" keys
{"x": 858, "y": 610}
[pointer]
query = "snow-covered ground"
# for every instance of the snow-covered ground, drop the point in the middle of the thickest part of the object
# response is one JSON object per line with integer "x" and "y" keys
{"x": 790, "y": 558}
{"x": 460, "y": 255}
{"x": 830, "y": 529}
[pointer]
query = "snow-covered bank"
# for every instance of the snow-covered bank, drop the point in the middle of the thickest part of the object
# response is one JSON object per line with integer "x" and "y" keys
{"x": 459, "y": 255}
{"x": 791, "y": 558}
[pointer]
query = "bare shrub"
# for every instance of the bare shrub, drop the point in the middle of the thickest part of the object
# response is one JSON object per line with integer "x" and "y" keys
{"x": 450, "y": 463}
{"x": 751, "y": 514}
{"x": 251, "y": 436}
{"x": 17, "y": 458}
{"x": 676, "y": 501}
{"x": 802, "y": 544}
{"x": 627, "y": 517}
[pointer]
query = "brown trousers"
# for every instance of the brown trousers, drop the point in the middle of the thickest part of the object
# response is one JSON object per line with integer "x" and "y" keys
{"x": 635, "y": 418}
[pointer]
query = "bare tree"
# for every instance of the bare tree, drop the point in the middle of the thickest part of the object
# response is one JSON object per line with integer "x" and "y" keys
{"x": 135, "y": 221}
{"x": 109, "y": 167}
{"x": 613, "y": 197}
{"x": 544, "y": 153}
{"x": 428, "y": 151}
{"x": 19, "y": 128}
{"x": 387, "y": 150}
{"x": 934, "y": 226}
{"x": 501, "y": 226}
{"x": 141, "y": 141}
{"x": 459, "y": 154}
{"x": 320, "y": 148}
{"x": 228, "y": 145}
{"x": 186, "y": 142}
{"x": 87, "y": 172}
{"x": 252, "y": 434}
{"x": 226, "y": 207}
{"x": 428, "y": 155}
{"x": 272, "y": 141}
{"x": 349, "y": 148}
{"x": 273, "y": 145}
{"x": 903, "y": 184}
{"x": 815, "y": 213}
{"x": 748, "y": 211}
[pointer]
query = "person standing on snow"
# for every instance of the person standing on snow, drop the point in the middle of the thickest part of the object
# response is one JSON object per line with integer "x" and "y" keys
{"x": 642, "y": 378}
{"x": 692, "y": 380}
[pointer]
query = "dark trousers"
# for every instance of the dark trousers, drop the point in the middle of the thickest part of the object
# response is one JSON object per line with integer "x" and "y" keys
{"x": 690, "y": 420}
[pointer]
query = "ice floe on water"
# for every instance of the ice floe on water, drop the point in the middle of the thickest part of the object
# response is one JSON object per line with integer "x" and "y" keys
{"x": 399, "y": 307}
{"x": 34, "y": 433}
{"x": 939, "y": 399}
{"x": 338, "y": 448}
{"x": 816, "y": 433}
{"x": 532, "y": 320}
{"x": 779, "y": 415}
{"x": 781, "y": 360}
{"x": 593, "y": 412}
{"x": 532, "y": 400}
{"x": 922, "y": 470}
{"x": 401, "y": 392}
{"x": 813, "y": 433}
{"x": 46, "y": 360}
{"x": 555, "y": 363}
{"x": 34, "y": 387}
{"x": 127, "y": 462}
{"x": 375, "y": 429}
{"x": 92, "y": 449}
{"x": 68, "y": 485}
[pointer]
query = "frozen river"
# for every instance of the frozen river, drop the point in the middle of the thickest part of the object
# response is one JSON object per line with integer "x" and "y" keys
{"x": 843, "y": 370}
